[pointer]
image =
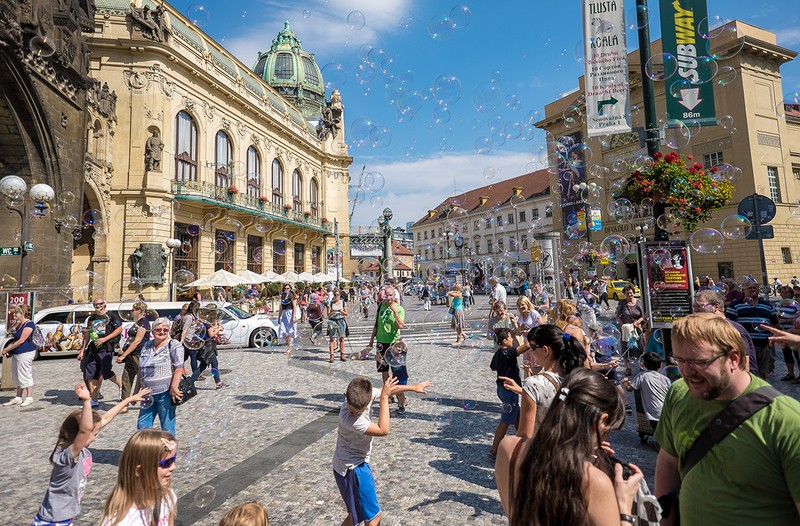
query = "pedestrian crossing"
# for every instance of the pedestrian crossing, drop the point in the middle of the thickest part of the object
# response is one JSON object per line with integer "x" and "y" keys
{"x": 421, "y": 333}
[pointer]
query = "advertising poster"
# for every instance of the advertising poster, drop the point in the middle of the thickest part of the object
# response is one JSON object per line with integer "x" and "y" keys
{"x": 573, "y": 209}
{"x": 606, "y": 68}
{"x": 668, "y": 282}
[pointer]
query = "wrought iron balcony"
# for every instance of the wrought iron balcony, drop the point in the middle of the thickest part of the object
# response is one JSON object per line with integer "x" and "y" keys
{"x": 206, "y": 192}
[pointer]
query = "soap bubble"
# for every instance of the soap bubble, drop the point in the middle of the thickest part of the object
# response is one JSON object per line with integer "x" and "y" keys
{"x": 736, "y": 227}
{"x": 220, "y": 246}
{"x": 706, "y": 69}
{"x": 707, "y": 241}
{"x": 66, "y": 197}
{"x": 356, "y": 20}
{"x": 182, "y": 277}
{"x": 678, "y": 85}
{"x": 676, "y": 134}
{"x": 661, "y": 66}
{"x": 460, "y": 16}
{"x": 440, "y": 27}
{"x": 447, "y": 89}
{"x": 334, "y": 74}
{"x": 147, "y": 402}
{"x": 725, "y": 75}
{"x": 198, "y": 15}
{"x": 193, "y": 229}
{"x": 204, "y": 496}
{"x": 483, "y": 145}
{"x": 306, "y": 13}
{"x": 487, "y": 97}
{"x": 42, "y": 46}
{"x": 469, "y": 404}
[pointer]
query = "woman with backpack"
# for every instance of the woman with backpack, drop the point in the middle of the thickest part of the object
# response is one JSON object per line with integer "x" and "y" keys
{"x": 23, "y": 350}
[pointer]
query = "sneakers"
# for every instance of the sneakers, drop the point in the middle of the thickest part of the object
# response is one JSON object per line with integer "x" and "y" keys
{"x": 14, "y": 401}
{"x": 95, "y": 403}
{"x": 28, "y": 401}
{"x": 401, "y": 410}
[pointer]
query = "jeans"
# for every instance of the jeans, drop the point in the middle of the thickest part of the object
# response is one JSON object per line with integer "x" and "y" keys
{"x": 204, "y": 365}
{"x": 162, "y": 405}
{"x": 193, "y": 358}
{"x": 129, "y": 373}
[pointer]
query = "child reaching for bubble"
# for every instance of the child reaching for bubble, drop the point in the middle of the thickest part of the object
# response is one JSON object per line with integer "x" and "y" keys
{"x": 143, "y": 493}
{"x": 72, "y": 461}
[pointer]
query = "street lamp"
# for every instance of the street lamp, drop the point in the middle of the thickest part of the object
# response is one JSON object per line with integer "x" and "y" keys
{"x": 458, "y": 241}
{"x": 14, "y": 188}
{"x": 172, "y": 245}
{"x": 386, "y": 232}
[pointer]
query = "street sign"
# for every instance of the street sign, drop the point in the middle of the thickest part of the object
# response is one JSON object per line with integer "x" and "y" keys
{"x": 766, "y": 232}
{"x": 29, "y": 246}
{"x": 10, "y": 251}
{"x": 766, "y": 209}
{"x": 536, "y": 254}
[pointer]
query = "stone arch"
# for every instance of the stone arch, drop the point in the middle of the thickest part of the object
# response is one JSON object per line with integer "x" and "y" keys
{"x": 90, "y": 245}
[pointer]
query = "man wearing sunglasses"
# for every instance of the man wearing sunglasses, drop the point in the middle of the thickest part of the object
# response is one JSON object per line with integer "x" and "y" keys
{"x": 100, "y": 336}
{"x": 752, "y": 475}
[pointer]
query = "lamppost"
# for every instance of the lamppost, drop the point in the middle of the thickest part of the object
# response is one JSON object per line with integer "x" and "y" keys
{"x": 14, "y": 188}
{"x": 386, "y": 232}
{"x": 172, "y": 245}
{"x": 458, "y": 241}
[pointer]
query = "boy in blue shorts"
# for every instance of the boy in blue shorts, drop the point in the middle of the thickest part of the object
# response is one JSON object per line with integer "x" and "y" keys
{"x": 504, "y": 362}
{"x": 354, "y": 444}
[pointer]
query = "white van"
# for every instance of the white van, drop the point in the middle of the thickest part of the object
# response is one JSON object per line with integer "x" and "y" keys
{"x": 62, "y": 327}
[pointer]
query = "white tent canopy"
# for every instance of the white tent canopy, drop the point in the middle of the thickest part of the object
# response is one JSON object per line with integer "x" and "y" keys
{"x": 305, "y": 276}
{"x": 220, "y": 278}
{"x": 319, "y": 277}
{"x": 251, "y": 277}
{"x": 270, "y": 276}
{"x": 289, "y": 277}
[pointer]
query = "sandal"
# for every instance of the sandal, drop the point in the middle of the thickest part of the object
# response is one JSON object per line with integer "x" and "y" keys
{"x": 788, "y": 378}
{"x": 220, "y": 385}
{"x": 330, "y": 360}
{"x": 342, "y": 358}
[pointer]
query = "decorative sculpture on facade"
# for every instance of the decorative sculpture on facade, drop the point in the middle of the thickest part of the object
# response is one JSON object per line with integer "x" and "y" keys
{"x": 151, "y": 23}
{"x": 331, "y": 121}
{"x": 152, "y": 153}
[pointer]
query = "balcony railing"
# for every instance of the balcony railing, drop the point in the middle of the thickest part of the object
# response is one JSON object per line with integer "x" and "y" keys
{"x": 218, "y": 195}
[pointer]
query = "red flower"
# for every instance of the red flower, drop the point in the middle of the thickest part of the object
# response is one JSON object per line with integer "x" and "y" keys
{"x": 690, "y": 157}
{"x": 657, "y": 156}
{"x": 697, "y": 209}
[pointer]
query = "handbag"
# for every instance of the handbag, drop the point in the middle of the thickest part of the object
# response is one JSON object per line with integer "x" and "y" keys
{"x": 187, "y": 389}
{"x": 451, "y": 311}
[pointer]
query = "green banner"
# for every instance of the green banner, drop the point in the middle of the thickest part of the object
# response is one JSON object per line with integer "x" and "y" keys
{"x": 690, "y": 97}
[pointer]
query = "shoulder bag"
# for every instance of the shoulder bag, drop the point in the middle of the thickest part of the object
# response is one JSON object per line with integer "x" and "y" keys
{"x": 186, "y": 385}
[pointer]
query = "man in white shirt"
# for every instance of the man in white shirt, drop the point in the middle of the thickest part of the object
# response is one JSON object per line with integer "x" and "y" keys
{"x": 497, "y": 293}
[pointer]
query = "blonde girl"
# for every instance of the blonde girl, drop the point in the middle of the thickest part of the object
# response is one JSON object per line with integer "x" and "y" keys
{"x": 72, "y": 461}
{"x": 247, "y": 514}
{"x": 143, "y": 493}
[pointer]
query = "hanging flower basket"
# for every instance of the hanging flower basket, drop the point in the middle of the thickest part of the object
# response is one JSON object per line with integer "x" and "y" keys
{"x": 232, "y": 190}
{"x": 263, "y": 200}
{"x": 307, "y": 214}
{"x": 287, "y": 207}
{"x": 693, "y": 193}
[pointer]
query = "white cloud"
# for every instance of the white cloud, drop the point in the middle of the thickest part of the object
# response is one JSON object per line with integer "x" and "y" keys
{"x": 413, "y": 187}
{"x": 788, "y": 37}
{"x": 325, "y": 28}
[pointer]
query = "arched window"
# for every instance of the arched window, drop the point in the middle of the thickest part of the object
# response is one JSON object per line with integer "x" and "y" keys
{"x": 223, "y": 157}
{"x": 314, "y": 198}
{"x": 277, "y": 182}
{"x": 297, "y": 190}
{"x": 253, "y": 173}
{"x": 185, "y": 147}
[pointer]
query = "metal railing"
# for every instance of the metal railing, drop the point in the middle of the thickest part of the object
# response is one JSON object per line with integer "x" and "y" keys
{"x": 219, "y": 195}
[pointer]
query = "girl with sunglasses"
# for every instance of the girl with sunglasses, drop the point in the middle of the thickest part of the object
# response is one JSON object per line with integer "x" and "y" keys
{"x": 143, "y": 494}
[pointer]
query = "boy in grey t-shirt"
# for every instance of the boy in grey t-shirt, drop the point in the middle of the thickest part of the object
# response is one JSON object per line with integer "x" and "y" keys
{"x": 653, "y": 385}
{"x": 354, "y": 444}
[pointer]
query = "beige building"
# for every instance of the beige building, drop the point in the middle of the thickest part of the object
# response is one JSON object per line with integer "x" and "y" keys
{"x": 240, "y": 170}
{"x": 757, "y": 133}
{"x": 496, "y": 225}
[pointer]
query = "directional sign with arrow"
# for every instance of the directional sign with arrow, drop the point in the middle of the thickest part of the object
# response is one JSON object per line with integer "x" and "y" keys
{"x": 690, "y": 98}
{"x": 601, "y": 104}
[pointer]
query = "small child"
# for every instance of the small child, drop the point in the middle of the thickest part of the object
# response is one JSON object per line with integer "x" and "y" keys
{"x": 72, "y": 461}
{"x": 654, "y": 386}
{"x": 396, "y": 358}
{"x": 504, "y": 363}
{"x": 143, "y": 493}
{"x": 247, "y": 514}
{"x": 354, "y": 444}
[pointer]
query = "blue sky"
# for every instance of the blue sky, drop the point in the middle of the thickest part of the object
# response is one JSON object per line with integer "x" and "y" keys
{"x": 515, "y": 55}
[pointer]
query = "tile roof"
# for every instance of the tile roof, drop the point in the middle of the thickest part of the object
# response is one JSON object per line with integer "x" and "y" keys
{"x": 399, "y": 249}
{"x": 534, "y": 184}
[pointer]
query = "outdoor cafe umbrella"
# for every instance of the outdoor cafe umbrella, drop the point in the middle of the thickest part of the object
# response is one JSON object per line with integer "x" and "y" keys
{"x": 319, "y": 277}
{"x": 271, "y": 276}
{"x": 289, "y": 277}
{"x": 251, "y": 277}
{"x": 306, "y": 277}
{"x": 220, "y": 278}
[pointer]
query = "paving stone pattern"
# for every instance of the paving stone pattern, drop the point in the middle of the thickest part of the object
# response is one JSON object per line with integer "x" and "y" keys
{"x": 270, "y": 433}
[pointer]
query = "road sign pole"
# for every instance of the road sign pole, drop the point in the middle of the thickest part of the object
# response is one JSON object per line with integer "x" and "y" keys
{"x": 764, "y": 278}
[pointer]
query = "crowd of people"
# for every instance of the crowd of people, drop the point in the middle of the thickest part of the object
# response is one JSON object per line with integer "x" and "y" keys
{"x": 557, "y": 379}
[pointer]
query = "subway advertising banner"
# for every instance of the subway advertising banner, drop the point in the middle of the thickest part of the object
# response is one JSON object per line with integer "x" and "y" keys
{"x": 690, "y": 94}
{"x": 606, "y": 68}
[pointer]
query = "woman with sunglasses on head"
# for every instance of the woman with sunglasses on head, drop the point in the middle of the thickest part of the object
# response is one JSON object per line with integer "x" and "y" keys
{"x": 287, "y": 327}
{"x": 138, "y": 336}
{"x": 565, "y": 474}
{"x": 160, "y": 370}
{"x": 143, "y": 493}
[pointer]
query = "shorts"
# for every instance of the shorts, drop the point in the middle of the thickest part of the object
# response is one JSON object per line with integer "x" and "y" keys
{"x": 99, "y": 363}
{"x": 357, "y": 488}
{"x": 41, "y": 522}
{"x": 401, "y": 373}
{"x": 508, "y": 398}
{"x": 380, "y": 349}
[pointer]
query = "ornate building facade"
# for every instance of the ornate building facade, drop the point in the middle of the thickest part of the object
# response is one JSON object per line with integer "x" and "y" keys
{"x": 205, "y": 153}
{"x": 44, "y": 91}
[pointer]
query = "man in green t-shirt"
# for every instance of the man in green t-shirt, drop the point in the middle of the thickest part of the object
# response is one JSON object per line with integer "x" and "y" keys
{"x": 388, "y": 321}
{"x": 750, "y": 477}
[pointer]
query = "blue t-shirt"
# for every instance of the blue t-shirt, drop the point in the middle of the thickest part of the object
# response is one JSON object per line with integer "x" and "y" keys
{"x": 27, "y": 345}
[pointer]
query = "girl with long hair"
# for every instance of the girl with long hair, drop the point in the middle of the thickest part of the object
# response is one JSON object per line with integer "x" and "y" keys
{"x": 72, "y": 461}
{"x": 565, "y": 474}
{"x": 143, "y": 493}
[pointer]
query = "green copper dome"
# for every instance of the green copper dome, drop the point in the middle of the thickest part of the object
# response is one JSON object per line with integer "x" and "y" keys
{"x": 293, "y": 72}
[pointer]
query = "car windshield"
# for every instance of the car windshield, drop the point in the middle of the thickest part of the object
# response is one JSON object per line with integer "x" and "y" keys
{"x": 239, "y": 313}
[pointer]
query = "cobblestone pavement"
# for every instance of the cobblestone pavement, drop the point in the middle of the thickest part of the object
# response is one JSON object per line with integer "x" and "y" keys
{"x": 269, "y": 435}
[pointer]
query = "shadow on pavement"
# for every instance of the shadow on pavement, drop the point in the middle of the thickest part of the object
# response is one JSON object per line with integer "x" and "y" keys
{"x": 481, "y": 504}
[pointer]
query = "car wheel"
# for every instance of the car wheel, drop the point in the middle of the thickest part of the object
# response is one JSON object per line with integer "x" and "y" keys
{"x": 263, "y": 337}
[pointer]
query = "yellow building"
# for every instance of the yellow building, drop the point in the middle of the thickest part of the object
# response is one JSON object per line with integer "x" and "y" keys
{"x": 757, "y": 133}
{"x": 238, "y": 170}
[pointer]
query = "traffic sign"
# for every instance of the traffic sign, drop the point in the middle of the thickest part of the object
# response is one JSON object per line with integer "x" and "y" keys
{"x": 29, "y": 246}
{"x": 766, "y": 209}
{"x": 766, "y": 232}
{"x": 10, "y": 251}
{"x": 536, "y": 254}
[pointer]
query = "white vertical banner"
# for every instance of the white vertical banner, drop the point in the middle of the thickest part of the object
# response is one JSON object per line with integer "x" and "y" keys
{"x": 606, "y": 61}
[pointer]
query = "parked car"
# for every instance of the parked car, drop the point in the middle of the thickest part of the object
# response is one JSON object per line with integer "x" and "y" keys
{"x": 63, "y": 326}
{"x": 615, "y": 287}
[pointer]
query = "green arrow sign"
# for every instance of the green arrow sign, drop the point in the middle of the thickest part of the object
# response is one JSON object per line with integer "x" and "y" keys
{"x": 601, "y": 104}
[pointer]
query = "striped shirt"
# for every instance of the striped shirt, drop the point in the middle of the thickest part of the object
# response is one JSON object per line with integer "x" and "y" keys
{"x": 751, "y": 316}
{"x": 156, "y": 365}
{"x": 787, "y": 310}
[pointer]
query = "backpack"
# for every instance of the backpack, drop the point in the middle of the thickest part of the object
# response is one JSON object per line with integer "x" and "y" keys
{"x": 37, "y": 338}
{"x": 175, "y": 329}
